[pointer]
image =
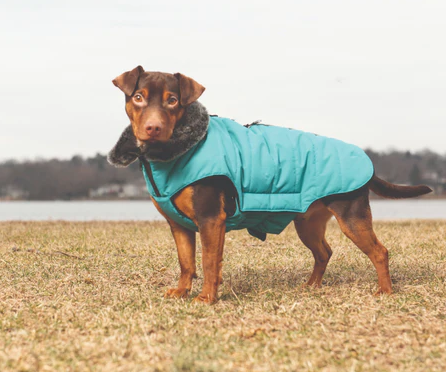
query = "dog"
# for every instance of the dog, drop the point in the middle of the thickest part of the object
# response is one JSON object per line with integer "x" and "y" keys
{"x": 173, "y": 136}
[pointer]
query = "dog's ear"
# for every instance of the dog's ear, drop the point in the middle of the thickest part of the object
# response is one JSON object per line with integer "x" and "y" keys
{"x": 128, "y": 80}
{"x": 189, "y": 89}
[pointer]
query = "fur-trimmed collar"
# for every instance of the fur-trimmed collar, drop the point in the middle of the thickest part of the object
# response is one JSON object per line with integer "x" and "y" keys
{"x": 188, "y": 132}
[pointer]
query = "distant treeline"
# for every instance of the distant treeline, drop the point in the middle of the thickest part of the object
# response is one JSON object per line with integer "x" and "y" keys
{"x": 77, "y": 177}
{"x": 411, "y": 168}
{"x": 61, "y": 179}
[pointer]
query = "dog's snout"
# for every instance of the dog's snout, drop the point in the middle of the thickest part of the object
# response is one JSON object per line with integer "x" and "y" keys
{"x": 153, "y": 129}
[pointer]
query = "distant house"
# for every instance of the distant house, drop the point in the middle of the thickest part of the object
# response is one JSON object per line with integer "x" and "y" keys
{"x": 12, "y": 192}
{"x": 133, "y": 191}
{"x": 124, "y": 191}
{"x": 436, "y": 181}
{"x": 105, "y": 191}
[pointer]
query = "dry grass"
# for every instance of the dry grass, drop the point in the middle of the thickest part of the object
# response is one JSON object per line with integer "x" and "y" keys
{"x": 88, "y": 297}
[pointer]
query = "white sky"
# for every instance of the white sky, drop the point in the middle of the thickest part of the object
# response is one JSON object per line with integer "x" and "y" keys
{"x": 370, "y": 73}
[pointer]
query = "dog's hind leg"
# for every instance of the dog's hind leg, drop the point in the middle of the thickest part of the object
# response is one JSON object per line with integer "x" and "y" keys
{"x": 311, "y": 231}
{"x": 352, "y": 211}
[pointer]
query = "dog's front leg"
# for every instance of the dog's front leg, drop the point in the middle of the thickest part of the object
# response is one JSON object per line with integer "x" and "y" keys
{"x": 186, "y": 249}
{"x": 212, "y": 231}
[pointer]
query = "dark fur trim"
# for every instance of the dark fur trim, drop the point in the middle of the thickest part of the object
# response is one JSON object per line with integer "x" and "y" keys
{"x": 188, "y": 132}
{"x": 125, "y": 151}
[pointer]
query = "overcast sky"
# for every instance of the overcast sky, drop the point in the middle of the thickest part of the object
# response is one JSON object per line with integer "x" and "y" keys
{"x": 371, "y": 73}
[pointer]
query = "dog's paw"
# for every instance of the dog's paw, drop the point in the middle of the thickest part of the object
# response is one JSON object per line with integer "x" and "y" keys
{"x": 204, "y": 299}
{"x": 312, "y": 285}
{"x": 380, "y": 292}
{"x": 177, "y": 293}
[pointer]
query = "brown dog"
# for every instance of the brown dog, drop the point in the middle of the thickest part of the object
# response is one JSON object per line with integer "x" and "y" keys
{"x": 155, "y": 104}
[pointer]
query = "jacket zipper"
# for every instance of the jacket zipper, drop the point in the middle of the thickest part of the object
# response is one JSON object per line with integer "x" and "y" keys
{"x": 148, "y": 169}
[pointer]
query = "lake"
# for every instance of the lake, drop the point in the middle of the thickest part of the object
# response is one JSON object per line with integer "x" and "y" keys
{"x": 145, "y": 210}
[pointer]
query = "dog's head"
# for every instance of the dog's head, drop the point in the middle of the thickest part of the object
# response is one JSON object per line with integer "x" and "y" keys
{"x": 156, "y": 101}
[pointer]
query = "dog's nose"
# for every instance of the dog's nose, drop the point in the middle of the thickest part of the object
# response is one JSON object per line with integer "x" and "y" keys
{"x": 153, "y": 129}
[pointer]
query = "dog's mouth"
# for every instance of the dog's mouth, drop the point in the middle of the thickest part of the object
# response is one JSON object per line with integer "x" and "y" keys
{"x": 142, "y": 143}
{"x": 161, "y": 137}
{"x": 150, "y": 141}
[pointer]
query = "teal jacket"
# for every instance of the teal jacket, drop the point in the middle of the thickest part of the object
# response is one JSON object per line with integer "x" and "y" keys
{"x": 277, "y": 173}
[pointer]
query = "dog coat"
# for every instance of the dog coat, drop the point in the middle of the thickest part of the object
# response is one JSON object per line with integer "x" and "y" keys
{"x": 277, "y": 173}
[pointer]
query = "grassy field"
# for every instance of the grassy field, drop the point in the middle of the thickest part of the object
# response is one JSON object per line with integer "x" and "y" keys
{"x": 89, "y": 297}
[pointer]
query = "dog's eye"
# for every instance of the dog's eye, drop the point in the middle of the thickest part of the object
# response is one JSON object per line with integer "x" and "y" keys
{"x": 172, "y": 100}
{"x": 138, "y": 98}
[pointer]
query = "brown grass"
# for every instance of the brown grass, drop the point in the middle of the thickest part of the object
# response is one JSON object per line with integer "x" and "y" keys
{"x": 88, "y": 297}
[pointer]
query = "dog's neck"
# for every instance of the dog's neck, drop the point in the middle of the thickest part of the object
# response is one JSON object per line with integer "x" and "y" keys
{"x": 191, "y": 129}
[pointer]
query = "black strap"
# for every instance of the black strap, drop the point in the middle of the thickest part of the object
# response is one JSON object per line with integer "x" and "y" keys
{"x": 148, "y": 170}
{"x": 256, "y": 122}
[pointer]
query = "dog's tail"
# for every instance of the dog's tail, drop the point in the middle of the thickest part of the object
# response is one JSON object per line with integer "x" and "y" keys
{"x": 392, "y": 191}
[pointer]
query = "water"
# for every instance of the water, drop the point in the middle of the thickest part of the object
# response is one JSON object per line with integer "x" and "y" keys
{"x": 79, "y": 210}
{"x": 145, "y": 210}
{"x": 408, "y": 209}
